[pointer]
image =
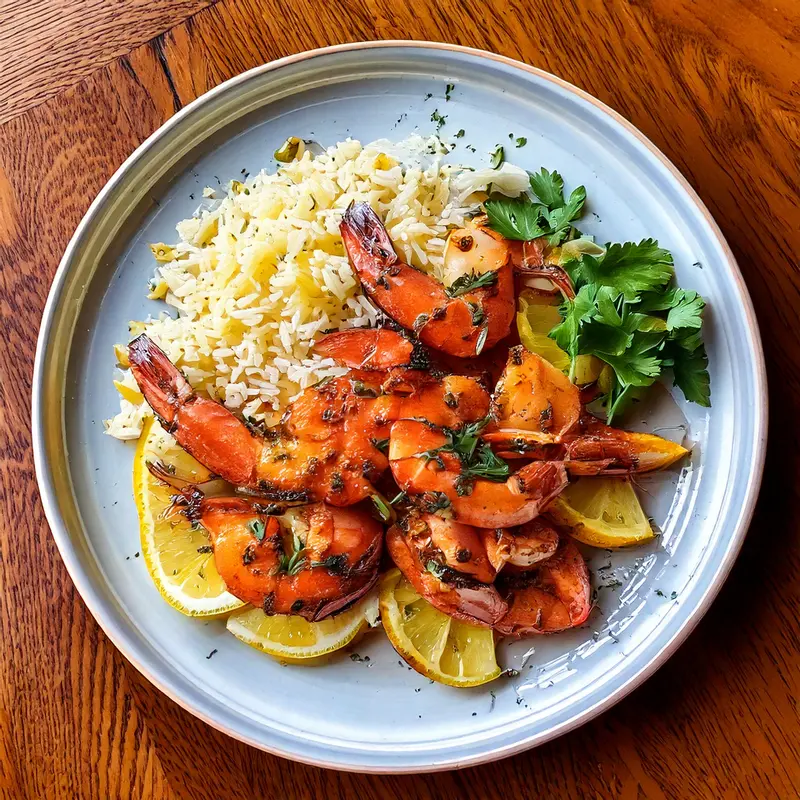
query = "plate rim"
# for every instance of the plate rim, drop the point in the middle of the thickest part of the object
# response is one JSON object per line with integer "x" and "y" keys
{"x": 95, "y": 604}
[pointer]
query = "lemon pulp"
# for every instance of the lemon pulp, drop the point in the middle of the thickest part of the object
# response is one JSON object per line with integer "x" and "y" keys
{"x": 292, "y": 638}
{"x": 177, "y": 554}
{"x": 441, "y": 648}
{"x": 603, "y": 512}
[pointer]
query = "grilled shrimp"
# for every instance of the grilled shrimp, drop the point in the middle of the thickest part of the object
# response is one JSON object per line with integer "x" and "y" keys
{"x": 367, "y": 348}
{"x": 438, "y": 483}
{"x": 328, "y": 445}
{"x": 313, "y": 562}
{"x": 453, "y": 592}
{"x": 448, "y": 400}
{"x": 552, "y": 597}
{"x": 455, "y": 545}
{"x": 462, "y": 323}
{"x": 539, "y": 415}
{"x": 324, "y": 449}
{"x": 534, "y": 403}
{"x": 523, "y": 547}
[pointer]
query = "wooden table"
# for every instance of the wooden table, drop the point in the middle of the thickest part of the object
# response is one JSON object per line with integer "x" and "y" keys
{"x": 714, "y": 85}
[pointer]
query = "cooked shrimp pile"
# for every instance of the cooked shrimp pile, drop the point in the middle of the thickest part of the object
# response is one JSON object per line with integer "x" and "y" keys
{"x": 459, "y": 462}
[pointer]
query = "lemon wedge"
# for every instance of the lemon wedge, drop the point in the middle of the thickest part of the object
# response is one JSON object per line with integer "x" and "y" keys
{"x": 603, "y": 512}
{"x": 292, "y": 638}
{"x": 178, "y": 556}
{"x": 435, "y": 645}
{"x": 535, "y": 319}
{"x": 537, "y": 316}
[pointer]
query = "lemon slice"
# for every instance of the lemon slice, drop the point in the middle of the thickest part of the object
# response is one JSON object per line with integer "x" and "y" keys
{"x": 177, "y": 556}
{"x": 440, "y": 647}
{"x": 292, "y": 638}
{"x": 603, "y": 512}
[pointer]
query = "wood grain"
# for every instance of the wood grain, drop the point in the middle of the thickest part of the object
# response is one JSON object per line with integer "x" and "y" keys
{"x": 714, "y": 85}
{"x": 47, "y": 45}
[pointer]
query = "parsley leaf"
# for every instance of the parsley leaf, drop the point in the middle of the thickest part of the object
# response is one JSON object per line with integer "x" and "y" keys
{"x": 612, "y": 340}
{"x": 561, "y": 217}
{"x": 638, "y": 364}
{"x": 690, "y": 372}
{"x": 574, "y": 312}
{"x": 628, "y": 268}
{"x": 548, "y": 187}
{"x": 522, "y": 219}
{"x": 518, "y": 219}
{"x": 686, "y": 312}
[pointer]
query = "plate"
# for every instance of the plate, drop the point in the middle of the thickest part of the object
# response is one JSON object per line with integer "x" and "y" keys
{"x": 377, "y": 715}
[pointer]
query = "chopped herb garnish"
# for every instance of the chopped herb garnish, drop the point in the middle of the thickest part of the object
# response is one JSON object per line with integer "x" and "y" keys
{"x": 292, "y": 563}
{"x": 438, "y": 118}
{"x": 673, "y": 596}
{"x": 397, "y": 498}
{"x": 435, "y": 503}
{"x": 448, "y": 90}
{"x": 257, "y": 528}
{"x": 360, "y": 389}
{"x": 470, "y": 282}
{"x": 497, "y": 157}
{"x": 357, "y": 657}
{"x": 206, "y": 548}
{"x": 460, "y": 133}
{"x": 249, "y": 554}
{"x": 477, "y": 314}
{"x": 383, "y": 510}
{"x": 335, "y": 564}
{"x": 477, "y": 457}
{"x": 436, "y": 569}
{"x": 520, "y": 141}
{"x": 381, "y": 444}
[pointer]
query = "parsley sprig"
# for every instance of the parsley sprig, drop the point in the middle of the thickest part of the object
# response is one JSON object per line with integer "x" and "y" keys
{"x": 523, "y": 219}
{"x": 626, "y": 309}
{"x": 625, "y": 313}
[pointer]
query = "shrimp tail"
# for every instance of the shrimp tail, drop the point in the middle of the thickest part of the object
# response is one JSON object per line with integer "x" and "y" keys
{"x": 368, "y": 565}
{"x": 364, "y": 235}
{"x": 469, "y": 601}
{"x": 544, "y": 479}
{"x": 161, "y": 382}
{"x": 205, "y": 429}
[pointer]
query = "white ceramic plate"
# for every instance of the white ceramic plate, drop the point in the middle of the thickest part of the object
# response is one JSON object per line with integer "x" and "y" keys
{"x": 377, "y": 715}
